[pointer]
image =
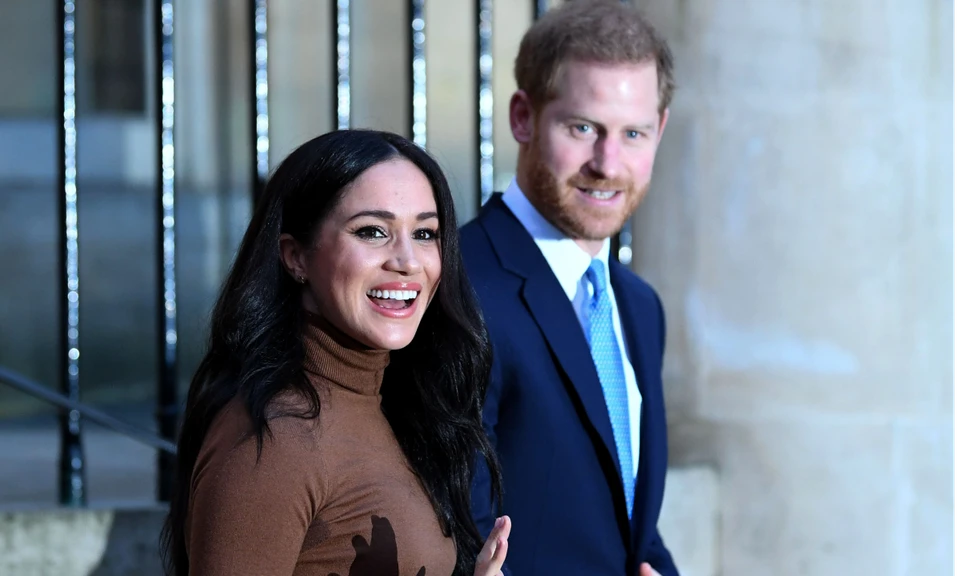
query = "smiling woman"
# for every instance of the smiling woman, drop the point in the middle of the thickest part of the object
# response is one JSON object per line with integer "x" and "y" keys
{"x": 332, "y": 425}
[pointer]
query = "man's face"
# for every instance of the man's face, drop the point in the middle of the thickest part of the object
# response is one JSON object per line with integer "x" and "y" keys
{"x": 590, "y": 151}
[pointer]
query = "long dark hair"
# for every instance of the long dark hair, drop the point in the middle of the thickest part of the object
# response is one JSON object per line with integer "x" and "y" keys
{"x": 433, "y": 389}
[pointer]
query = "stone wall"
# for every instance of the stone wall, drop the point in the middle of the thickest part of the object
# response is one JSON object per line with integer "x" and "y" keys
{"x": 799, "y": 231}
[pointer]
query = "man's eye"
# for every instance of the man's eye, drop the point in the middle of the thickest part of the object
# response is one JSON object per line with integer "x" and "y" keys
{"x": 581, "y": 128}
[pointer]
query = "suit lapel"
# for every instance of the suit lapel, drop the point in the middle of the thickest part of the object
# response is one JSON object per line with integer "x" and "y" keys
{"x": 631, "y": 319}
{"x": 551, "y": 310}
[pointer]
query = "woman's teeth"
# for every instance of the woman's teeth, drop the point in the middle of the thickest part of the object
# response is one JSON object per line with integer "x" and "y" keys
{"x": 392, "y": 294}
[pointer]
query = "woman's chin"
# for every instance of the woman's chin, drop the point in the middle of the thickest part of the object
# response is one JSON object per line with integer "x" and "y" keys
{"x": 391, "y": 345}
{"x": 387, "y": 337}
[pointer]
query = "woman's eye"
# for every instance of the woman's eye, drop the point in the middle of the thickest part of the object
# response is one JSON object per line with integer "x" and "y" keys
{"x": 370, "y": 233}
{"x": 425, "y": 234}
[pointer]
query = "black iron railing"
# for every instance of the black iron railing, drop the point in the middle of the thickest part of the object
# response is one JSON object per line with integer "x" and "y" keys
{"x": 167, "y": 336}
{"x": 72, "y": 485}
{"x": 67, "y": 404}
{"x": 260, "y": 117}
{"x": 71, "y": 482}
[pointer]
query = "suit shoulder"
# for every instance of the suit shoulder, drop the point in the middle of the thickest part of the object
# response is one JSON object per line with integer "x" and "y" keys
{"x": 475, "y": 246}
{"x": 645, "y": 296}
{"x": 637, "y": 287}
{"x": 471, "y": 233}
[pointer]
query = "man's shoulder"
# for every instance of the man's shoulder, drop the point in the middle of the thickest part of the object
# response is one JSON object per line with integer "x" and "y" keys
{"x": 480, "y": 258}
{"x": 634, "y": 286}
{"x": 473, "y": 229}
{"x": 474, "y": 241}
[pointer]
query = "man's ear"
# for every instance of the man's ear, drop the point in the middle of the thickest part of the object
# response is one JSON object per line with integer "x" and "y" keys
{"x": 293, "y": 257}
{"x": 522, "y": 117}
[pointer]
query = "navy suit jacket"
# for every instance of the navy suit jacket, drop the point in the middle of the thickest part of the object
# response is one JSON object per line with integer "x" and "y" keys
{"x": 546, "y": 415}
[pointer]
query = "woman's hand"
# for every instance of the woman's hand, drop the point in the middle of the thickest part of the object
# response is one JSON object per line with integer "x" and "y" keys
{"x": 494, "y": 550}
{"x": 647, "y": 570}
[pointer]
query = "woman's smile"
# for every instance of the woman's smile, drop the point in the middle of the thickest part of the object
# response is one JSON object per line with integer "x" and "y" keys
{"x": 395, "y": 299}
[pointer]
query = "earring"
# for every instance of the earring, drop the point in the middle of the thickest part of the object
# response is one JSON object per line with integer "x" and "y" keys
{"x": 301, "y": 279}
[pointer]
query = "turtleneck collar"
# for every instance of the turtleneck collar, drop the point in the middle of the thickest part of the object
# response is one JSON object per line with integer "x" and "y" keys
{"x": 339, "y": 359}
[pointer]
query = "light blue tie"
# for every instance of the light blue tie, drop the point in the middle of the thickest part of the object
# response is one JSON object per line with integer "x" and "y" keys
{"x": 609, "y": 363}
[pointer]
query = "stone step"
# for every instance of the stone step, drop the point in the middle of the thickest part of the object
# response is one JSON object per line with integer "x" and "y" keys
{"x": 88, "y": 542}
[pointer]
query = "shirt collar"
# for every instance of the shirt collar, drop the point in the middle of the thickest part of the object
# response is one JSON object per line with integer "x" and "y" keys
{"x": 568, "y": 261}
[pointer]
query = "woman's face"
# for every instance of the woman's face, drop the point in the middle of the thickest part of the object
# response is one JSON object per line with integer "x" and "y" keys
{"x": 375, "y": 263}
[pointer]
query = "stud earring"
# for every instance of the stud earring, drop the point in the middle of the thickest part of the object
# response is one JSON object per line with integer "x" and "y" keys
{"x": 301, "y": 279}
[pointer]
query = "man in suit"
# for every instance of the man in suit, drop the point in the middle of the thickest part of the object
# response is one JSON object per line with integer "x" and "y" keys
{"x": 575, "y": 400}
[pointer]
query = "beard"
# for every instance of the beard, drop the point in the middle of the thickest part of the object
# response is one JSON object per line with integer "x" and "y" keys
{"x": 559, "y": 204}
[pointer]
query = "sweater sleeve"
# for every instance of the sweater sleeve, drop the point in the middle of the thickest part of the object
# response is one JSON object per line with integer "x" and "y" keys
{"x": 250, "y": 515}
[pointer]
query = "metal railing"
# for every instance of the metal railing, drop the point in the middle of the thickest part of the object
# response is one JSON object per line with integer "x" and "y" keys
{"x": 72, "y": 489}
{"x": 64, "y": 402}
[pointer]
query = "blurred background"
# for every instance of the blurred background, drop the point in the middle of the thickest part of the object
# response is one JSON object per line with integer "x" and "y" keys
{"x": 799, "y": 231}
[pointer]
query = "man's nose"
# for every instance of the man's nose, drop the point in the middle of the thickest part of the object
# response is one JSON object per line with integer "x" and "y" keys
{"x": 606, "y": 159}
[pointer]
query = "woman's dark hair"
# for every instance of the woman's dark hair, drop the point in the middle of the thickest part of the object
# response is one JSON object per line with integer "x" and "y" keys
{"x": 433, "y": 389}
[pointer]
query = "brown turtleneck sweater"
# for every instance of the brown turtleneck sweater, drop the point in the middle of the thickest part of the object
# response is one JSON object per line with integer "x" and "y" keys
{"x": 332, "y": 496}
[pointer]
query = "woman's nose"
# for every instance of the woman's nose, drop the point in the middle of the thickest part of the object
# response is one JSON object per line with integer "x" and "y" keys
{"x": 404, "y": 258}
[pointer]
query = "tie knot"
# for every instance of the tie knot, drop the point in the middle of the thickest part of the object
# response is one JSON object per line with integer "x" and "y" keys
{"x": 597, "y": 277}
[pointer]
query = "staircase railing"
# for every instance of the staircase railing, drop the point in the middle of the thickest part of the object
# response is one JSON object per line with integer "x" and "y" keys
{"x": 71, "y": 452}
{"x": 49, "y": 396}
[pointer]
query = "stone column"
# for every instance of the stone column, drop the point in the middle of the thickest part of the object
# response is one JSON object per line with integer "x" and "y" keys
{"x": 799, "y": 232}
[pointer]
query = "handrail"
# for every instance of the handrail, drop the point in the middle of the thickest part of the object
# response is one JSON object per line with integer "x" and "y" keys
{"x": 47, "y": 395}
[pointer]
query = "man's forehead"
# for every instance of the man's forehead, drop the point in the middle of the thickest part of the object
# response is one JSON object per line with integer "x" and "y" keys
{"x": 632, "y": 92}
{"x": 584, "y": 78}
{"x": 573, "y": 68}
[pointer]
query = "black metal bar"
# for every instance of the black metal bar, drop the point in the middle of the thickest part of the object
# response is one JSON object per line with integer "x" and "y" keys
{"x": 167, "y": 407}
{"x": 540, "y": 8}
{"x": 92, "y": 414}
{"x": 418, "y": 71}
{"x": 260, "y": 123}
{"x": 615, "y": 246}
{"x": 341, "y": 69}
{"x": 72, "y": 484}
{"x": 621, "y": 244}
{"x": 484, "y": 133}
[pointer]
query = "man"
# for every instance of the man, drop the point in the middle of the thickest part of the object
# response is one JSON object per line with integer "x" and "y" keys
{"x": 575, "y": 401}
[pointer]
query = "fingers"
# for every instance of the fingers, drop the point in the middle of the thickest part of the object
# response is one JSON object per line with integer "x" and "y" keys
{"x": 647, "y": 570}
{"x": 499, "y": 555}
{"x": 494, "y": 551}
{"x": 491, "y": 545}
{"x": 486, "y": 552}
{"x": 505, "y": 527}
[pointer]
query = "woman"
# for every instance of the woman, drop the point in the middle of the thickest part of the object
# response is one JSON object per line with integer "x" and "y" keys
{"x": 332, "y": 426}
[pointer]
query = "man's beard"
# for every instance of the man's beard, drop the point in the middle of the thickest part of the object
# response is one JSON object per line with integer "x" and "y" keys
{"x": 575, "y": 219}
